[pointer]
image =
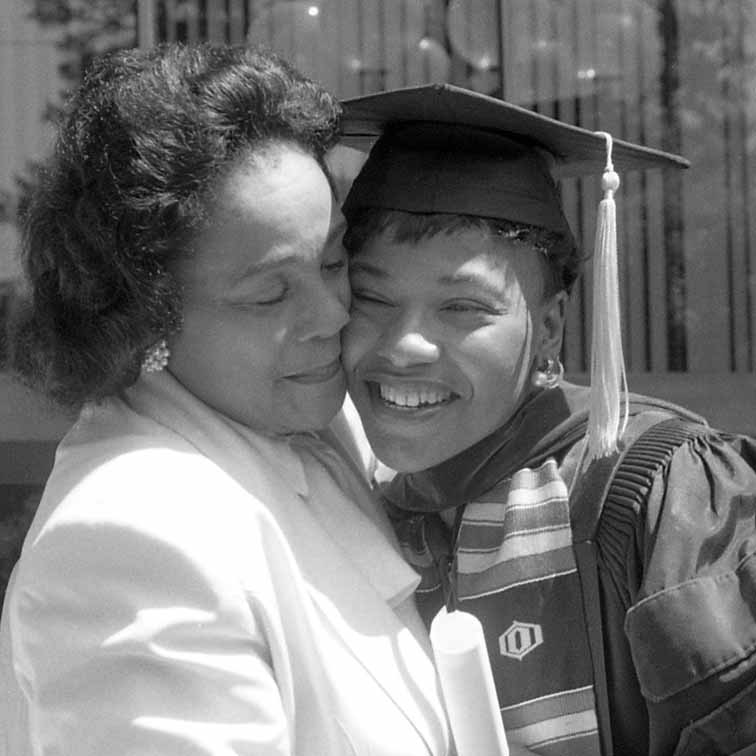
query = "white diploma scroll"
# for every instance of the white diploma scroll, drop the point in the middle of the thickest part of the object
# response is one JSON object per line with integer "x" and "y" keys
{"x": 467, "y": 684}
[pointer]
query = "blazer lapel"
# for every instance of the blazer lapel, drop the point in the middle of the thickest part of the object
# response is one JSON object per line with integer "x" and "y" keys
{"x": 352, "y": 610}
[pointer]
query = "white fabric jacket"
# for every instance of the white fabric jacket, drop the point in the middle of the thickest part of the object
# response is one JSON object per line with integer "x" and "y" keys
{"x": 182, "y": 592}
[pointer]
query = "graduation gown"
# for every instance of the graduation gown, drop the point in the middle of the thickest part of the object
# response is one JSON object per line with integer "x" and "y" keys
{"x": 648, "y": 647}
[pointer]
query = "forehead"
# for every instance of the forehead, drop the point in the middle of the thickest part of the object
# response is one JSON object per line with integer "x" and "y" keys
{"x": 267, "y": 184}
{"x": 275, "y": 209}
{"x": 469, "y": 257}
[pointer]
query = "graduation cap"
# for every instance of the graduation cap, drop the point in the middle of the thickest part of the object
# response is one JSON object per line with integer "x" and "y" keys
{"x": 444, "y": 149}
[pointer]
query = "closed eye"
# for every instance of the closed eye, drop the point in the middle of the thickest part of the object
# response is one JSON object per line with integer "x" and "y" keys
{"x": 273, "y": 301}
{"x": 334, "y": 267}
{"x": 369, "y": 297}
{"x": 268, "y": 301}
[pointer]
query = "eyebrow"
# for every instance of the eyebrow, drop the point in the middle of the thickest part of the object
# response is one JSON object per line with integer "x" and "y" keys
{"x": 454, "y": 279}
{"x": 472, "y": 279}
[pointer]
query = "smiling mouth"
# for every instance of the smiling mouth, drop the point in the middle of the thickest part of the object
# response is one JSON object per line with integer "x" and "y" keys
{"x": 412, "y": 398}
{"x": 317, "y": 375}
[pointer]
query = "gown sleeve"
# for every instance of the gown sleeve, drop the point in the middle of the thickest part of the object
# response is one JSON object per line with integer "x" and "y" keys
{"x": 691, "y": 617}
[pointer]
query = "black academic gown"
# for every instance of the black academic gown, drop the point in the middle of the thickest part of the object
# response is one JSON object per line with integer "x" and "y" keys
{"x": 675, "y": 583}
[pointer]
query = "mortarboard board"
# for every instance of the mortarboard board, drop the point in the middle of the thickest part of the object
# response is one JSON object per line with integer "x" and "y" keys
{"x": 577, "y": 151}
{"x": 444, "y": 149}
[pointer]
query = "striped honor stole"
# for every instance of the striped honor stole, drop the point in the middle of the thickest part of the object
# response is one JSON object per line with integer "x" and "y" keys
{"x": 514, "y": 567}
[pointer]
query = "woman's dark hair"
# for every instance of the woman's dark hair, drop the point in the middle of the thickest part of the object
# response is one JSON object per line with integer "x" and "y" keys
{"x": 143, "y": 145}
{"x": 562, "y": 261}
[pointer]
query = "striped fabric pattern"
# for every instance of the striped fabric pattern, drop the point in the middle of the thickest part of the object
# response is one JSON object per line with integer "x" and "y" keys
{"x": 563, "y": 723}
{"x": 518, "y": 533}
{"x": 513, "y": 566}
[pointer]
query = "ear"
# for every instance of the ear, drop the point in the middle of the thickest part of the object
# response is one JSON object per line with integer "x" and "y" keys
{"x": 551, "y": 326}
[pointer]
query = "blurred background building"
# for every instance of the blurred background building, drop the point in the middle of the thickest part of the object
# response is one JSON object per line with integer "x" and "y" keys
{"x": 675, "y": 74}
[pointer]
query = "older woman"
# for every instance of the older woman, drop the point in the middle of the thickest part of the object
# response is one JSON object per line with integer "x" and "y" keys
{"x": 617, "y": 622}
{"x": 205, "y": 574}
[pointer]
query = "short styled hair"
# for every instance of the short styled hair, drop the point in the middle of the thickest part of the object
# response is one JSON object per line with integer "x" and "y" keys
{"x": 144, "y": 143}
{"x": 563, "y": 263}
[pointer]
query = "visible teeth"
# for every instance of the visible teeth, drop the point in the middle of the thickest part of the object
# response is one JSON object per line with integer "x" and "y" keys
{"x": 411, "y": 397}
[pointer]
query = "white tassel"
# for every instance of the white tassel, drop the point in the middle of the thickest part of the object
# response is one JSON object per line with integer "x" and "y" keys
{"x": 608, "y": 378}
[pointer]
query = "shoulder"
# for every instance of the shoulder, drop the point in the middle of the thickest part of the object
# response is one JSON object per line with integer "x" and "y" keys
{"x": 143, "y": 498}
{"x": 119, "y": 466}
{"x": 680, "y": 506}
{"x": 141, "y": 483}
{"x": 668, "y": 451}
{"x": 150, "y": 528}
{"x": 706, "y": 473}
{"x": 678, "y": 483}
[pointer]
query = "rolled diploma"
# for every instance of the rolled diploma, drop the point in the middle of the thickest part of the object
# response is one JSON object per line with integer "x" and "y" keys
{"x": 467, "y": 684}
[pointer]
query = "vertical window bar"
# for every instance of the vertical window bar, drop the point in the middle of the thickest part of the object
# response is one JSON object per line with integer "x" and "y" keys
{"x": 745, "y": 176}
{"x": 583, "y": 317}
{"x": 361, "y": 44}
{"x": 624, "y": 235}
{"x": 236, "y": 21}
{"x": 669, "y": 32}
{"x": 382, "y": 67}
{"x": 725, "y": 73}
{"x": 146, "y": 23}
{"x": 192, "y": 14}
{"x": 532, "y": 27}
{"x": 169, "y": 8}
{"x": 645, "y": 251}
{"x": 501, "y": 38}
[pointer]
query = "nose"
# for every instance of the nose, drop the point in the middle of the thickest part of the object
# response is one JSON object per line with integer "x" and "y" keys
{"x": 326, "y": 314}
{"x": 407, "y": 343}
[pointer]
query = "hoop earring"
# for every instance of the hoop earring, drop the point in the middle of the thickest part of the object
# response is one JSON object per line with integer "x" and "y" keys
{"x": 156, "y": 357}
{"x": 550, "y": 375}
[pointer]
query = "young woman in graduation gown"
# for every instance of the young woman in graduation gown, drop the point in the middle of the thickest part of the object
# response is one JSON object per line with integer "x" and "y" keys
{"x": 611, "y": 562}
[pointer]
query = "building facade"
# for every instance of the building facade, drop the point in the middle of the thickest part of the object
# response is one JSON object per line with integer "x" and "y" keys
{"x": 676, "y": 75}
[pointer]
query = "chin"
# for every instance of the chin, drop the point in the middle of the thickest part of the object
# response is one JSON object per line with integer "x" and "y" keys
{"x": 323, "y": 411}
{"x": 404, "y": 455}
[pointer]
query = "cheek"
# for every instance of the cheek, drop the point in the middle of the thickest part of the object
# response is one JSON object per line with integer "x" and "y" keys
{"x": 232, "y": 343}
{"x": 202, "y": 337}
{"x": 357, "y": 339}
{"x": 500, "y": 360}
{"x": 344, "y": 292}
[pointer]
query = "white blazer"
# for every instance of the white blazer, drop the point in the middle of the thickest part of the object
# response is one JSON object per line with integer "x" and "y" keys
{"x": 182, "y": 593}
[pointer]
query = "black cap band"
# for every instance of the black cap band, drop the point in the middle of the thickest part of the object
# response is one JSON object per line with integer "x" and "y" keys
{"x": 462, "y": 170}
